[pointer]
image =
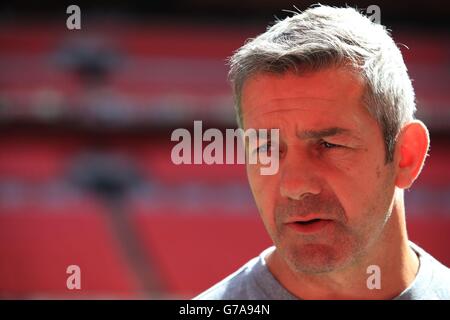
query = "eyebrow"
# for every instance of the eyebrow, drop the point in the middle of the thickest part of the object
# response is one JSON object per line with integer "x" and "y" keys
{"x": 317, "y": 134}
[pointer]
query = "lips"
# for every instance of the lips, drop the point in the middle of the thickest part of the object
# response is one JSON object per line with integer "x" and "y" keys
{"x": 310, "y": 225}
{"x": 308, "y": 222}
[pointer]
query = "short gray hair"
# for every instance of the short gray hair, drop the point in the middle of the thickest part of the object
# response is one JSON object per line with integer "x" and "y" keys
{"x": 322, "y": 37}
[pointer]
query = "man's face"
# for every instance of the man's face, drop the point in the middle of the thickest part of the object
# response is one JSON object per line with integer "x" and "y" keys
{"x": 333, "y": 193}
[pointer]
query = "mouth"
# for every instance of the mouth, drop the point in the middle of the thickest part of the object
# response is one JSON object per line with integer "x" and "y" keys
{"x": 308, "y": 222}
{"x": 309, "y": 226}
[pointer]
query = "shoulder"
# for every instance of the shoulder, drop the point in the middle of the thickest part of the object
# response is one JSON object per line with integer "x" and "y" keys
{"x": 243, "y": 284}
{"x": 439, "y": 280}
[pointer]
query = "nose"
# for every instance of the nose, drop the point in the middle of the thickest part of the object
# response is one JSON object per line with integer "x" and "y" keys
{"x": 299, "y": 177}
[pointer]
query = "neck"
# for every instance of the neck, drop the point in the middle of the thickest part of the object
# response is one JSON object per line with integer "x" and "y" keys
{"x": 397, "y": 262}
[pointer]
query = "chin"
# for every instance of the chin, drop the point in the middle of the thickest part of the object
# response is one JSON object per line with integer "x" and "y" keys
{"x": 317, "y": 258}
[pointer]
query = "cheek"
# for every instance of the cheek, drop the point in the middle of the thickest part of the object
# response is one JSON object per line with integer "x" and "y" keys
{"x": 354, "y": 185}
{"x": 364, "y": 191}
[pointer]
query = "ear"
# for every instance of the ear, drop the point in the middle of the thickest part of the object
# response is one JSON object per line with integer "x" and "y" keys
{"x": 411, "y": 150}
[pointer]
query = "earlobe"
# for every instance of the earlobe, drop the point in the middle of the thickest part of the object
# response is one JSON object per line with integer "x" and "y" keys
{"x": 412, "y": 148}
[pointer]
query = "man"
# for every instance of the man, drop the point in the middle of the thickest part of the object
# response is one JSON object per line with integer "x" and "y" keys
{"x": 337, "y": 88}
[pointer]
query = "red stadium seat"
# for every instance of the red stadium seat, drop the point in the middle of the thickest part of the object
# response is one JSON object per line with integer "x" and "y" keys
{"x": 156, "y": 162}
{"x": 430, "y": 231}
{"x": 39, "y": 241}
{"x": 193, "y": 251}
{"x": 436, "y": 172}
{"x": 35, "y": 159}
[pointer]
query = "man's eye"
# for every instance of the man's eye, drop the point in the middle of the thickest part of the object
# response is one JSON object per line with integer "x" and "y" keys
{"x": 263, "y": 148}
{"x": 329, "y": 145}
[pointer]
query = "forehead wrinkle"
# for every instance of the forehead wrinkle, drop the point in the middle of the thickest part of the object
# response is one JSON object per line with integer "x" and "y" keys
{"x": 275, "y": 111}
{"x": 328, "y": 132}
{"x": 322, "y": 133}
{"x": 300, "y": 98}
{"x": 254, "y": 109}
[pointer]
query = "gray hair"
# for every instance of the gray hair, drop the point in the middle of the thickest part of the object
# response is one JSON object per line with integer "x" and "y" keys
{"x": 323, "y": 37}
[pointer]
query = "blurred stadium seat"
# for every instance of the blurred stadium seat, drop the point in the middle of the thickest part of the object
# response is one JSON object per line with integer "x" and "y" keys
{"x": 196, "y": 248}
{"x": 430, "y": 231}
{"x": 39, "y": 241}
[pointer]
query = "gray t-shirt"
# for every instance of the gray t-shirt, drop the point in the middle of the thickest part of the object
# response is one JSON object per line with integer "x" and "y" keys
{"x": 254, "y": 281}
